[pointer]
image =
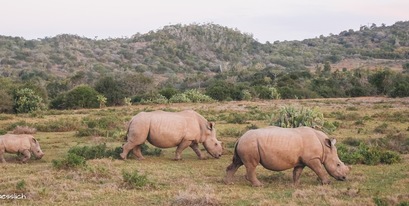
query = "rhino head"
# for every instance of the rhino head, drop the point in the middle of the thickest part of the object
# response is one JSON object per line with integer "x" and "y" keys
{"x": 35, "y": 149}
{"x": 211, "y": 144}
{"x": 334, "y": 166}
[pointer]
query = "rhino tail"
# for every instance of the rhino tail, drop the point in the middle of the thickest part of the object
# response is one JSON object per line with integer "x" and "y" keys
{"x": 236, "y": 159}
{"x": 127, "y": 131}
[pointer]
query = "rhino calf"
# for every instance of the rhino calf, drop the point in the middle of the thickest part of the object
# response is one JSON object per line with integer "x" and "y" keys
{"x": 279, "y": 149}
{"x": 22, "y": 143}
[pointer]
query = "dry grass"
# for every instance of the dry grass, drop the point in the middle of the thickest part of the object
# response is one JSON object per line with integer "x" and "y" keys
{"x": 199, "y": 182}
{"x": 24, "y": 130}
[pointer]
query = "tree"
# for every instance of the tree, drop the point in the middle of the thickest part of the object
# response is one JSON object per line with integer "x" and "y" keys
{"x": 6, "y": 103}
{"x": 26, "y": 100}
{"x": 82, "y": 96}
{"x": 112, "y": 89}
{"x": 400, "y": 87}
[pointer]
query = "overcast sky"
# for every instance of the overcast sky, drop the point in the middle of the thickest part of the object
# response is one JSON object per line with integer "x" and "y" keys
{"x": 266, "y": 20}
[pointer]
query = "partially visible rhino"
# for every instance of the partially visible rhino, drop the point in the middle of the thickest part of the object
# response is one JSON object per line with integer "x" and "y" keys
{"x": 280, "y": 149}
{"x": 171, "y": 129}
{"x": 20, "y": 143}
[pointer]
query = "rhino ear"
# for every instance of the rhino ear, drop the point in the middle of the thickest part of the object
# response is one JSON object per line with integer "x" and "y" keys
{"x": 210, "y": 125}
{"x": 327, "y": 143}
{"x": 330, "y": 142}
{"x": 333, "y": 141}
{"x": 34, "y": 140}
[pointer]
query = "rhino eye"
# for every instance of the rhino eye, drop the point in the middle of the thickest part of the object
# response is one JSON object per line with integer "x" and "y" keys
{"x": 215, "y": 144}
{"x": 338, "y": 165}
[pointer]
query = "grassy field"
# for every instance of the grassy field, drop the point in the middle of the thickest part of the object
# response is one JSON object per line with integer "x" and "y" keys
{"x": 199, "y": 182}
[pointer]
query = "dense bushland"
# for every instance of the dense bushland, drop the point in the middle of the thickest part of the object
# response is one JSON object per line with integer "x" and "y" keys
{"x": 183, "y": 63}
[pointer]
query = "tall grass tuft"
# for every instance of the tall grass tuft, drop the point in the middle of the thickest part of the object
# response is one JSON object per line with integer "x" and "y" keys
{"x": 291, "y": 117}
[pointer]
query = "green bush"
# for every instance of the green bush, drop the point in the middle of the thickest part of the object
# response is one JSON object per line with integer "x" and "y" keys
{"x": 102, "y": 151}
{"x": 179, "y": 98}
{"x": 6, "y": 103}
{"x": 82, "y": 96}
{"x": 27, "y": 101}
{"x": 196, "y": 96}
{"x": 146, "y": 150}
{"x": 70, "y": 161}
{"x": 134, "y": 180}
{"x": 154, "y": 99}
{"x": 89, "y": 152}
{"x": 369, "y": 155}
{"x": 291, "y": 117}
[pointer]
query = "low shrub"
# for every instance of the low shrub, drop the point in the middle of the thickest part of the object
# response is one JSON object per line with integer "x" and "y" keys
{"x": 179, "y": 98}
{"x": 134, "y": 180}
{"x": 89, "y": 152}
{"x": 196, "y": 96}
{"x": 24, "y": 130}
{"x": 102, "y": 151}
{"x": 382, "y": 129}
{"x": 236, "y": 118}
{"x": 59, "y": 125}
{"x": 155, "y": 99}
{"x": 369, "y": 155}
{"x": 70, "y": 161}
{"x": 21, "y": 186}
{"x": 231, "y": 132}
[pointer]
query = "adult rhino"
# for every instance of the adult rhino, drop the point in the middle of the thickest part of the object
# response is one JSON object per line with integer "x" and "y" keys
{"x": 171, "y": 129}
{"x": 280, "y": 149}
{"x": 20, "y": 143}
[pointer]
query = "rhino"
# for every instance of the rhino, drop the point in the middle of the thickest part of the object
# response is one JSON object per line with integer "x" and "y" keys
{"x": 171, "y": 129}
{"x": 20, "y": 143}
{"x": 279, "y": 149}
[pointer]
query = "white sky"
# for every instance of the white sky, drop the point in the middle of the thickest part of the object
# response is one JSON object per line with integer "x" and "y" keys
{"x": 267, "y": 20}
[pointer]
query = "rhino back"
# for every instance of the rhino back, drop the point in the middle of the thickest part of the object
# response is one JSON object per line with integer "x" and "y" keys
{"x": 280, "y": 148}
{"x": 14, "y": 143}
{"x": 167, "y": 129}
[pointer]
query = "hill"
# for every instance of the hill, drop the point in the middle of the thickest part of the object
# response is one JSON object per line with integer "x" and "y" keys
{"x": 224, "y": 63}
{"x": 207, "y": 48}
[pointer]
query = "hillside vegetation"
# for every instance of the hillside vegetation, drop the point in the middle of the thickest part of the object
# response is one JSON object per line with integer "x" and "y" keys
{"x": 209, "y": 58}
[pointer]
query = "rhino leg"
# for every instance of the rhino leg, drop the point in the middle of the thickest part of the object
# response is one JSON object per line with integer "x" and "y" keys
{"x": 27, "y": 155}
{"x": 2, "y": 151}
{"x": 316, "y": 166}
{"x": 232, "y": 168}
{"x": 297, "y": 173}
{"x": 125, "y": 149}
{"x": 2, "y": 158}
{"x": 137, "y": 152}
{"x": 195, "y": 148}
{"x": 230, "y": 171}
{"x": 182, "y": 146}
{"x": 251, "y": 175}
